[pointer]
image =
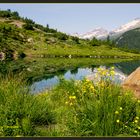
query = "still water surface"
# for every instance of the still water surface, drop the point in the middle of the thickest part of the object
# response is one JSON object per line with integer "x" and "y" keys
{"x": 122, "y": 70}
{"x": 44, "y": 73}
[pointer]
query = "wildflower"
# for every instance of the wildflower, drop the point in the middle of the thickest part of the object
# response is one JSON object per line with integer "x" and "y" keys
{"x": 137, "y": 118}
{"x": 112, "y": 68}
{"x": 92, "y": 87}
{"x": 136, "y": 121}
{"x": 112, "y": 72}
{"x": 120, "y": 108}
{"x": 116, "y": 112}
{"x": 104, "y": 72}
{"x": 102, "y": 84}
{"x": 108, "y": 74}
{"x": 66, "y": 102}
{"x": 71, "y": 104}
{"x": 135, "y": 131}
{"x": 72, "y": 97}
{"x": 99, "y": 69}
{"x": 87, "y": 80}
{"x": 117, "y": 121}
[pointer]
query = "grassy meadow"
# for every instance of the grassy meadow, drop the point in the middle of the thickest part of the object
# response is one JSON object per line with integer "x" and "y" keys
{"x": 84, "y": 50}
{"x": 72, "y": 108}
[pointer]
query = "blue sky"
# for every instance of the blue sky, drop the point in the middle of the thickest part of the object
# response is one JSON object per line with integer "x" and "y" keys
{"x": 71, "y": 18}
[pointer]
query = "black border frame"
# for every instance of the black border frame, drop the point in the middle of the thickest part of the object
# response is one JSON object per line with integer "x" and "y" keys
{"x": 69, "y": 1}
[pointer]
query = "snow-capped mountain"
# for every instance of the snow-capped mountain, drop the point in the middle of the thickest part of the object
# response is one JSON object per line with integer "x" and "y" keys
{"x": 75, "y": 34}
{"x": 98, "y": 33}
{"x": 101, "y": 33}
{"x": 126, "y": 27}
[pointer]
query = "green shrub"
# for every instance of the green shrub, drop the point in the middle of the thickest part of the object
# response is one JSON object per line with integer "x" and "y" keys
{"x": 28, "y": 26}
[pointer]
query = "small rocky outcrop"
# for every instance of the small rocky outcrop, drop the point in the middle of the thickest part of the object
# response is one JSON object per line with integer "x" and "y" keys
{"x": 132, "y": 82}
{"x": 30, "y": 40}
{"x": 2, "y": 55}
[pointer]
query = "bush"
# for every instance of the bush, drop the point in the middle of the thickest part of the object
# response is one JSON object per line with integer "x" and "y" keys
{"x": 95, "y": 42}
{"x": 61, "y": 36}
{"x": 75, "y": 39}
{"x": 9, "y": 14}
{"x": 28, "y": 26}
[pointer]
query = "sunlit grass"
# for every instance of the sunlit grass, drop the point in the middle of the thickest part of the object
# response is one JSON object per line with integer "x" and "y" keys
{"x": 21, "y": 111}
{"x": 96, "y": 109}
{"x": 79, "y": 51}
{"x": 72, "y": 108}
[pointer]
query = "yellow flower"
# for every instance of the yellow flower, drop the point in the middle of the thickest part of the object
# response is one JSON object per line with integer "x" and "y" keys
{"x": 66, "y": 102}
{"x": 87, "y": 80}
{"x": 136, "y": 121}
{"x": 120, "y": 108}
{"x": 72, "y": 97}
{"x": 91, "y": 87}
{"x": 104, "y": 72}
{"x": 112, "y": 72}
{"x": 137, "y": 118}
{"x": 112, "y": 68}
{"x": 135, "y": 131}
{"x": 117, "y": 121}
{"x": 99, "y": 69}
{"x": 102, "y": 84}
{"x": 71, "y": 104}
{"x": 116, "y": 112}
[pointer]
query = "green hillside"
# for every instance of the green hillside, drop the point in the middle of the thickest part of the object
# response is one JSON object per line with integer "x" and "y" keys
{"x": 21, "y": 37}
{"x": 130, "y": 40}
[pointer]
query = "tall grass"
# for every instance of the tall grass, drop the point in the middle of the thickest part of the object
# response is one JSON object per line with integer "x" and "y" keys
{"x": 72, "y": 108}
{"x": 96, "y": 109}
{"x": 21, "y": 111}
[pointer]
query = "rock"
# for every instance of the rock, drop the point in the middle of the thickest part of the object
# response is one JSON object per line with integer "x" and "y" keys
{"x": 15, "y": 55}
{"x": 132, "y": 82}
{"x": 70, "y": 56}
{"x": 28, "y": 69}
{"x": 21, "y": 35}
{"x": 41, "y": 55}
{"x": 30, "y": 40}
{"x": 2, "y": 55}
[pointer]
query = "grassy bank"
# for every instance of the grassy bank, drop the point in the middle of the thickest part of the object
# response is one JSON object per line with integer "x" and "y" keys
{"x": 66, "y": 50}
{"x": 72, "y": 108}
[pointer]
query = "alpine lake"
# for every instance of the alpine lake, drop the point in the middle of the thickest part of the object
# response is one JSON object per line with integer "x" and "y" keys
{"x": 44, "y": 73}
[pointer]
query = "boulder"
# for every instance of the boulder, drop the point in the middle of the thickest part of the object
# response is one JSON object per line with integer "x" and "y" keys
{"x": 2, "y": 55}
{"x": 132, "y": 82}
{"x": 30, "y": 40}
